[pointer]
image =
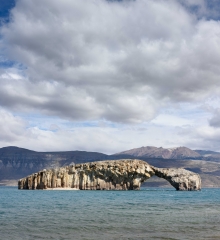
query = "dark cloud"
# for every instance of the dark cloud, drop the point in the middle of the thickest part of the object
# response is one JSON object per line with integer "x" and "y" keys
{"x": 215, "y": 120}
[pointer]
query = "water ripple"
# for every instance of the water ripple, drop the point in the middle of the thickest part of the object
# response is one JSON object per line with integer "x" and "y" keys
{"x": 146, "y": 214}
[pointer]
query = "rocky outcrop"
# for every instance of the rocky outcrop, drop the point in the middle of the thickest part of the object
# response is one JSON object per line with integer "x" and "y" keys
{"x": 126, "y": 174}
{"x": 180, "y": 178}
{"x": 104, "y": 175}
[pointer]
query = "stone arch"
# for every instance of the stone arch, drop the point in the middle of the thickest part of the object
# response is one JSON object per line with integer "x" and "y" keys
{"x": 181, "y": 179}
{"x": 125, "y": 174}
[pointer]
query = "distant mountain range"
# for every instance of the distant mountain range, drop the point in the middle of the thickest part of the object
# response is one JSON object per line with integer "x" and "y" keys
{"x": 16, "y": 163}
{"x": 166, "y": 153}
{"x": 172, "y": 153}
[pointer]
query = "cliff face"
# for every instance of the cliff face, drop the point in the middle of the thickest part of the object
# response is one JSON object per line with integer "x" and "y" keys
{"x": 123, "y": 174}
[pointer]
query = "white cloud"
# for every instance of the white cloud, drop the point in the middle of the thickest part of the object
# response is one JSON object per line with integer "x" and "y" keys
{"x": 55, "y": 135}
{"x": 169, "y": 120}
{"x": 123, "y": 62}
{"x": 11, "y": 127}
{"x": 201, "y": 137}
{"x": 50, "y": 134}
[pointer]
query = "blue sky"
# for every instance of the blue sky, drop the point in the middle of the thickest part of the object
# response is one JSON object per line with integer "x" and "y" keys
{"x": 5, "y": 7}
{"x": 109, "y": 75}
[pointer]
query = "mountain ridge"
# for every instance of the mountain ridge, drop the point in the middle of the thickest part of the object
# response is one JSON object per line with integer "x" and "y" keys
{"x": 166, "y": 153}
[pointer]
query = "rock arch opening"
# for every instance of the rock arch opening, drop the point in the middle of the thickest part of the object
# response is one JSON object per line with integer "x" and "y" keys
{"x": 156, "y": 182}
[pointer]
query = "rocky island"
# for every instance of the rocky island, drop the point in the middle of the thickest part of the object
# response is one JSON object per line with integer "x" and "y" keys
{"x": 125, "y": 174}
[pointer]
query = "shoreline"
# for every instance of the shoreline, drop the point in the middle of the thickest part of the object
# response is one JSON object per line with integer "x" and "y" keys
{"x": 75, "y": 189}
{"x": 60, "y": 188}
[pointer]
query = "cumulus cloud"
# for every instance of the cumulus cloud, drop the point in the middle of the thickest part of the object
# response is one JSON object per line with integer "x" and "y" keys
{"x": 131, "y": 73}
{"x": 119, "y": 61}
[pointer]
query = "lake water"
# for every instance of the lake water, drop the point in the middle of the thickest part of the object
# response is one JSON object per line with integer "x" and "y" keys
{"x": 146, "y": 214}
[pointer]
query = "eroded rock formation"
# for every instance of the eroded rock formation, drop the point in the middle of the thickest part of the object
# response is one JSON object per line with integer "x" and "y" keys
{"x": 180, "y": 178}
{"x": 123, "y": 174}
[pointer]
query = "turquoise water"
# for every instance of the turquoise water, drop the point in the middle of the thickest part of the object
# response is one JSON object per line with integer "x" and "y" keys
{"x": 146, "y": 214}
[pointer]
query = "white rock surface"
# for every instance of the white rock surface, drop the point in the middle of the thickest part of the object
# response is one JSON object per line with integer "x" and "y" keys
{"x": 125, "y": 174}
{"x": 180, "y": 178}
